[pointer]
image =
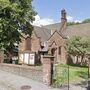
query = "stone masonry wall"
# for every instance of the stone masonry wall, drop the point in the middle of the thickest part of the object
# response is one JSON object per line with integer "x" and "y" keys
{"x": 31, "y": 72}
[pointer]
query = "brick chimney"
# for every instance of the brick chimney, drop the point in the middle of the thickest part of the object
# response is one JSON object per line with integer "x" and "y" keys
{"x": 63, "y": 20}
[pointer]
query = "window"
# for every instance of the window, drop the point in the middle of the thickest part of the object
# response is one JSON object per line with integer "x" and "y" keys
{"x": 53, "y": 51}
{"x": 28, "y": 43}
{"x": 59, "y": 51}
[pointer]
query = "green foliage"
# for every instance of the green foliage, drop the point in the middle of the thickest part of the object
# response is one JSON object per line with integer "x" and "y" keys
{"x": 72, "y": 23}
{"x": 15, "y": 17}
{"x": 88, "y": 48}
{"x": 78, "y": 46}
{"x": 75, "y": 74}
{"x": 60, "y": 75}
{"x": 76, "y": 23}
{"x": 86, "y": 20}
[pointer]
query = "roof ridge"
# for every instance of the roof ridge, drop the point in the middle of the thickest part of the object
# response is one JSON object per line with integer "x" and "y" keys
{"x": 52, "y": 24}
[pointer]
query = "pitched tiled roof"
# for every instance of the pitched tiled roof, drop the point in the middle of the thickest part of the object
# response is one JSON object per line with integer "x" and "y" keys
{"x": 55, "y": 26}
{"x": 82, "y": 30}
{"x": 44, "y": 32}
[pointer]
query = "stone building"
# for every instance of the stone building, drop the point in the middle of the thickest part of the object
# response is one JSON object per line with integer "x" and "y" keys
{"x": 51, "y": 39}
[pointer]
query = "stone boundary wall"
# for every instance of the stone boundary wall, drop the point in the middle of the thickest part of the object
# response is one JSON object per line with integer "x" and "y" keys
{"x": 32, "y": 72}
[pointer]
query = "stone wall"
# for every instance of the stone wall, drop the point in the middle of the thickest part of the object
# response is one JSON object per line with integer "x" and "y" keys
{"x": 32, "y": 72}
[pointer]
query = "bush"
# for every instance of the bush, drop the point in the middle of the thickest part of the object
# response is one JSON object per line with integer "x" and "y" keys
{"x": 76, "y": 74}
{"x": 60, "y": 76}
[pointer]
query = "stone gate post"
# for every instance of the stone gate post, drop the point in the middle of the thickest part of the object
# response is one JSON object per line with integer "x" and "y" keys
{"x": 47, "y": 69}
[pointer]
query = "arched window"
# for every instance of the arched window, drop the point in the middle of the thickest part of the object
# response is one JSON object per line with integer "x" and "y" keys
{"x": 59, "y": 52}
{"x": 53, "y": 51}
{"x": 28, "y": 43}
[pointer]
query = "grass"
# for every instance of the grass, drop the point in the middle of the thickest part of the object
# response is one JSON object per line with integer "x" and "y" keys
{"x": 75, "y": 74}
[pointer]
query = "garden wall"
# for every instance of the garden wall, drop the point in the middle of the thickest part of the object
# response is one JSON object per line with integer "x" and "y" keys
{"x": 32, "y": 72}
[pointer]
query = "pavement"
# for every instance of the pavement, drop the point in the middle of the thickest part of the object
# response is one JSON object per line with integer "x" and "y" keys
{"x": 10, "y": 81}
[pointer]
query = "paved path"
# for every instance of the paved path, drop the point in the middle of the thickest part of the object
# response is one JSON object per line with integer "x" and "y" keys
{"x": 14, "y": 82}
{"x": 10, "y": 81}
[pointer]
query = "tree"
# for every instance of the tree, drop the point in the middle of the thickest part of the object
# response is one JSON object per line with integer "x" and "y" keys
{"x": 16, "y": 16}
{"x": 78, "y": 46}
{"x": 73, "y": 23}
{"x": 86, "y": 20}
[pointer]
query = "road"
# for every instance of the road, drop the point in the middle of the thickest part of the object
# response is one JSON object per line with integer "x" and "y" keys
{"x": 10, "y": 81}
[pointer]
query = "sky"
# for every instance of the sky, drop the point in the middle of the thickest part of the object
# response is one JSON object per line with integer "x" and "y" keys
{"x": 49, "y": 11}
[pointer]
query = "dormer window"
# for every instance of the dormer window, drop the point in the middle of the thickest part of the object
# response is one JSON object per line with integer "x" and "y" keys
{"x": 44, "y": 46}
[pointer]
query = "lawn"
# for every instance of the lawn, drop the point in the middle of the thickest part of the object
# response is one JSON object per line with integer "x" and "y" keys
{"x": 75, "y": 74}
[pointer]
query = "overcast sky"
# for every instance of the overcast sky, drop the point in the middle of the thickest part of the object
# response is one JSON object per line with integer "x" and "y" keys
{"x": 49, "y": 10}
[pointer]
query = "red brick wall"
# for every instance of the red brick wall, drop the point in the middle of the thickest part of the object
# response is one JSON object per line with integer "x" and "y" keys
{"x": 28, "y": 43}
{"x": 57, "y": 41}
{"x": 21, "y": 46}
{"x": 35, "y": 43}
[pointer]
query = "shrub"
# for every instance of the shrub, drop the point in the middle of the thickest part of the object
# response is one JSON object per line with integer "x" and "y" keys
{"x": 60, "y": 75}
